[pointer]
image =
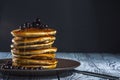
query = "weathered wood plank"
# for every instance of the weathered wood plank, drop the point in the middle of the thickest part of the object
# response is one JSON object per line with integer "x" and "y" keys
{"x": 94, "y": 62}
{"x": 105, "y": 63}
{"x": 4, "y": 55}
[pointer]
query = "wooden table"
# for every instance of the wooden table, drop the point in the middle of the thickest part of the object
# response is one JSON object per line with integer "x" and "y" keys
{"x": 103, "y": 63}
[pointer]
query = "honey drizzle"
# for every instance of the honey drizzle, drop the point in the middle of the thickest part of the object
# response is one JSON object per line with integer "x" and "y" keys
{"x": 25, "y": 41}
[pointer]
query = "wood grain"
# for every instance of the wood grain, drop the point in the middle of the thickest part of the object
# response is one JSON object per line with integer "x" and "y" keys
{"x": 104, "y": 63}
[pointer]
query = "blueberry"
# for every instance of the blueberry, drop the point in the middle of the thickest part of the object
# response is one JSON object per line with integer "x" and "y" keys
{"x": 46, "y": 26}
{"x": 38, "y": 20}
{"x": 22, "y": 68}
{"x": 27, "y": 25}
{"x": 20, "y": 27}
{"x": 6, "y": 67}
{"x": 41, "y": 25}
{"x": 24, "y": 26}
{"x": 17, "y": 67}
{"x": 37, "y": 24}
{"x": 11, "y": 67}
{"x": 9, "y": 63}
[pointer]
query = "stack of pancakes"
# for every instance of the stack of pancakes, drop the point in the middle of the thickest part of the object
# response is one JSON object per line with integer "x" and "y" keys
{"x": 32, "y": 47}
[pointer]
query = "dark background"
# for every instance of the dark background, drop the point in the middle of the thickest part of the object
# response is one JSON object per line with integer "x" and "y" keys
{"x": 82, "y": 25}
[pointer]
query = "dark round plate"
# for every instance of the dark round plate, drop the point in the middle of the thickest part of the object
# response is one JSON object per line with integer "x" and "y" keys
{"x": 63, "y": 65}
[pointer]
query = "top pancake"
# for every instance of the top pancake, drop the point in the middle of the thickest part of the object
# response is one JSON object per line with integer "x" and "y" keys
{"x": 33, "y": 32}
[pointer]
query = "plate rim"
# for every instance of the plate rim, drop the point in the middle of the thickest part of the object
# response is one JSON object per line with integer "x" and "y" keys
{"x": 44, "y": 70}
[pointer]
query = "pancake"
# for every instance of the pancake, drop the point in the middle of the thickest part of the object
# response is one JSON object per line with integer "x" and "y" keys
{"x": 33, "y": 32}
{"x": 44, "y": 39}
{"x": 30, "y": 52}
{"x": 33, "y": 46}
{"x": 50, "y": 66}
{"x": 33, "y": 61}
{"x": 38, "y": 56}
